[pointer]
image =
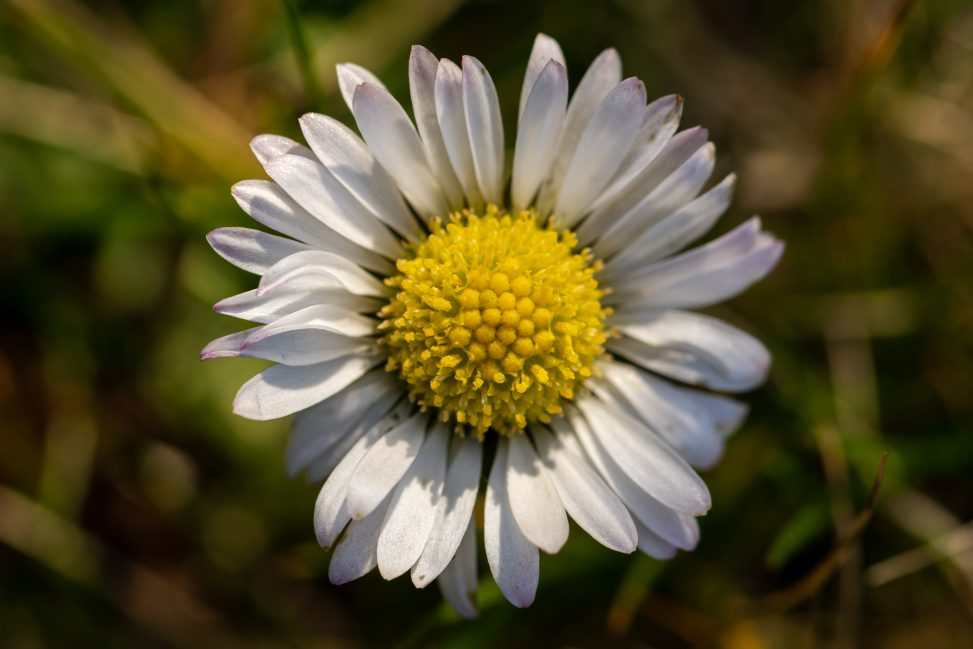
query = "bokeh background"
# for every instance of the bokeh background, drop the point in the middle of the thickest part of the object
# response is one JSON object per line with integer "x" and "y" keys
{"x": 136, "y": 511}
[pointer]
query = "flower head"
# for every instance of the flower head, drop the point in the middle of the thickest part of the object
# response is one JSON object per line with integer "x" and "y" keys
{"x": 415, "y": 307}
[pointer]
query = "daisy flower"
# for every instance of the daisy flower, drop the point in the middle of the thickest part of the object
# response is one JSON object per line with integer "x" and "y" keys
{"x": 432, "y": 325}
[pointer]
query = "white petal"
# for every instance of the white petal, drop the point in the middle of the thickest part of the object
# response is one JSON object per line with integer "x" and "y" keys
{"x": 352, "y": 75}
{"x": 458, "y": 581}
{"x": 653, "y": 545}
{"x": 545, "y": 50}
{"x": 384, "y": 465}
{"x": 267, "y": 147}
{"x": 695, "y": 423}
{"x": 513, "y": 560}
{"x": 687, "y": 224}
{"x": 643, "y": 286}
{"x": 281, "y": 390}
{"x": 252, "y": 250}
{"x": 453, "y": 515}
{"x": 485, "y": 127}
{"x": 269, "y": 204}
{"x": 600, "y": 151}
{"x": 312, "y": 335}
{"x": 320, "y": 193}
{"x": 314, "y": 269}
{"x": 412, "y": 512}
{"x": 701, "y": 277}
{"x": 348, "y": 158}
{"x": 330, "y": 510}
{"x": 324, "y": 317}
{"x": 321, "y": 426}
{"x": 396, "y": 145}
{"x": 226, "y": 346}
{"x": 270, "y": 306}
{"x": 586, "y": 497}
{"x": 422, "y": 86}
{"x": 695, "y": 349}
{"x": 649, "y": 461}
{"x": 608, "y": 210}
{"x": 727, "y": 248}
{"x": 325, "y": 462}
{"x": 534, "y": 501}
{"x": 355, "y": 555}
{"x": 452, "y": 124}
{"x": 675, "y": 527}
{"x": 720, "y": 283}
{"x": 658, "y": 126}
{"x": 292, "y": 342}
{"x": 298, "y": 348}
{"x": 675, "y": 191}
{"x": 329, "y": 419}
{"x": 604, "y": 74}
{"x": 538, "y": 133}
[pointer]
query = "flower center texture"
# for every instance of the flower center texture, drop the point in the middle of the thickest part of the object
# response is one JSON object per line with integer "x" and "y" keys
{"x": 495, "y": 320}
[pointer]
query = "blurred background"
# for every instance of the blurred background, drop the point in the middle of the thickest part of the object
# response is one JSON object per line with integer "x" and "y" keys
{"x": 137, "y": 511}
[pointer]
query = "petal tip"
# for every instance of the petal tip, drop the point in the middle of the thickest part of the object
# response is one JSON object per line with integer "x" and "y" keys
{"x": 248, "y": 407}
{"x": 630, "y": 546}
{"x": 239, "y": 190}
{"x": 520, "y": 600}
{"x": 310, "y": 119}
{"x": 474, "y": 64}
{"x": 339, "y": 577}
{"x": 363, "y": 91}
{"x": 420, "y": 580}
{"x": 387, "y": 573}
{"x": 213, "y": 237}
{"x": 419, "y": 50}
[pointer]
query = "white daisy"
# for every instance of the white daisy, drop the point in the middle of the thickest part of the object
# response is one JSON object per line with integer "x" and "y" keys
{"x": 415, "y": 309}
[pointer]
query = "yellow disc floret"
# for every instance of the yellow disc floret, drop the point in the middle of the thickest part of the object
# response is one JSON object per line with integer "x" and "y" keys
{"x": 496, "y": 320}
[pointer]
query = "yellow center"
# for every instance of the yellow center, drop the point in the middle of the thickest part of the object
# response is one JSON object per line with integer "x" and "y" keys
{"x": 496, "y": 320}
